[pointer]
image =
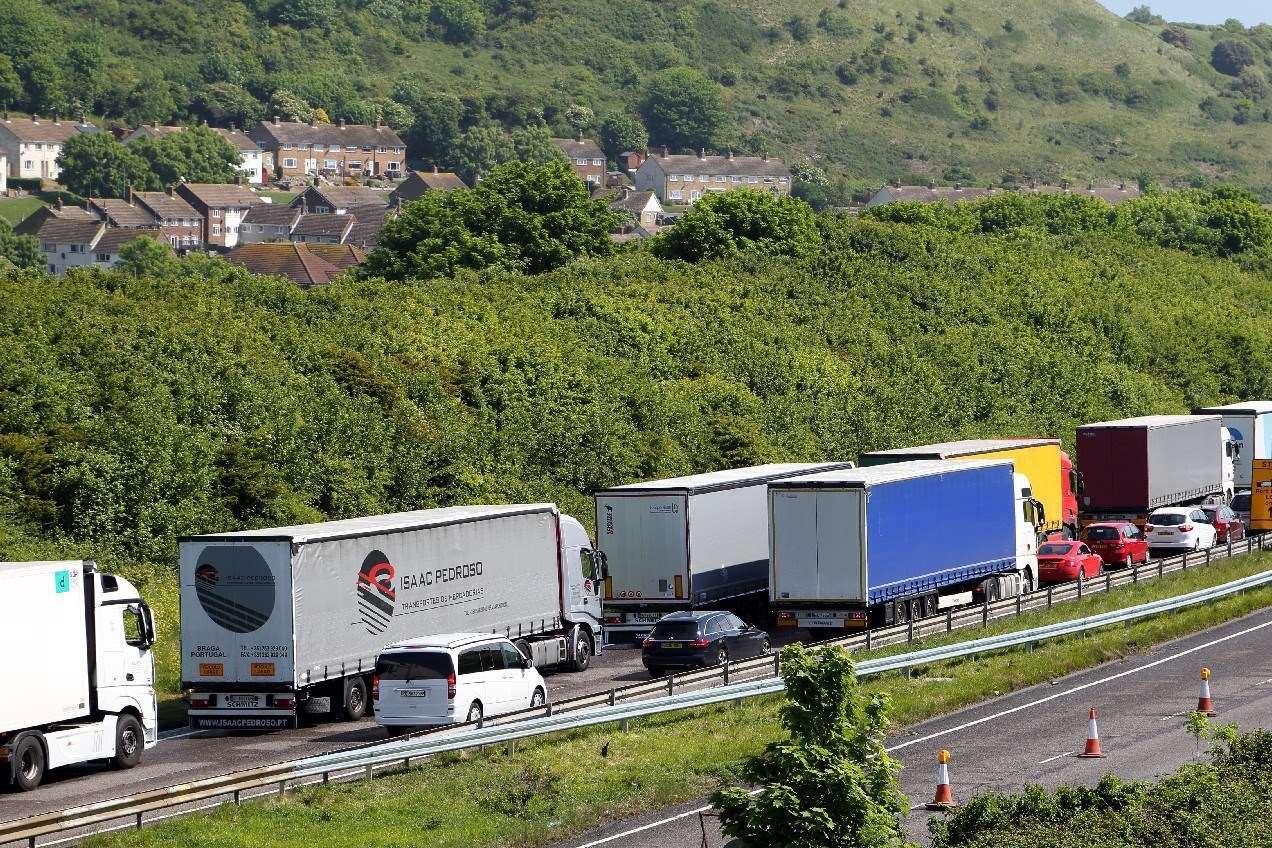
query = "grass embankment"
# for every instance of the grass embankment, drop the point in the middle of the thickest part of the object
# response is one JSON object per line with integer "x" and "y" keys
{"x": 556, "y": 787}
{"x": 16, "y": 209}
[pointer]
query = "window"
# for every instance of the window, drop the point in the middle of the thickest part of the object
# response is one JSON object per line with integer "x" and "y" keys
{"x": 48, "y": 248}
{"x": 382, "y": 150}
{"x": 366, "y": 148}
{"x": 677, "y": 195}
{"x": 598, "y": 161}
{"x": 29, "y": 164}
{"x": 470, "y": 661}
{"x": 735, "y": 622}
{"x": 715, "y": 626}
{"x": 735, "y": 178}
{"x": 289, "y": 163}
{"x": 289, "y": 147}
{"x": 768, "y": 179}
{"x": 391, "y": 166}
{"x": 415, "y": 665}
{"x": 52, "y": 269}
{"x": 216, "y": 213}
{"x": 679, "y": 630}
{"x": 587, "y": 562}
{"x": 673, "y": 178}
{"x": 103, "y": 257}
{"x": 331, "y": 164}
{"x": 216, "y": 229}
{"x": 355, "y": 165}
{"x": 75, "y": 248}
{"x": 39, "y": 146}
{"x": 319, "y": 148}
{"x": 306, "y": 147}
{"x": 350, "y": 148}
{"x": 512, "y": 658}
{"x": 702, "y": 178}
{"x": 278, "y": 230}
{"x": 322, "y": 209}
{"x": 260, "y": 228}
{"x": 135, "y": 627}
{"x": 720, "y": 178}
{"x": 781, "y": 179}
{"x": 752, "y": 180}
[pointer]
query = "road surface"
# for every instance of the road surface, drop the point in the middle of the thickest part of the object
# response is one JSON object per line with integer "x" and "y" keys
{"x": 1033, "y": 736}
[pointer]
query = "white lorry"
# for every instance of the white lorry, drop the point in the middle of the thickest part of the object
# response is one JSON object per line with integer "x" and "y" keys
{"x": 78, "y": 671}
{"x": 289, "y": 620}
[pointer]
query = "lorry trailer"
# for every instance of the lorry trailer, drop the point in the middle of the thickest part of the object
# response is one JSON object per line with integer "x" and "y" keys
{"x": 1135, "y": 465}
{"x": 1250, "y": 425}
{"x": 78, "y": 670}
{"x": 284, "y": 621}
{"x": 1049, "y": 469}
{"x": 895, "y": 542}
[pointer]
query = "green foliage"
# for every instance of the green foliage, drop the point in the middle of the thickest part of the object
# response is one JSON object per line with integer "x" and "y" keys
{"x": 307, "y": 14}
{"x": 457, "y": 21}
{"x": 479, "y": 151}
{"x": 436, "y": 125}
{"x": 1231, "y": 57}
{"x": 620, "y": 132}
{"x": 22, "y": 251}
{"x": 831, "y": 781}
{"x": 683, "y": 109}
{"x": 196, "y": 154}
{"x": 535, "y": 145}
{"x": 1144, "y": 15}
{"x": 523, "y": 217}
{"x": 147, "y": 256}
{"x": 96, "y": 165}
{"x": 741, "y": 221}
{"x": 289, "y": 106}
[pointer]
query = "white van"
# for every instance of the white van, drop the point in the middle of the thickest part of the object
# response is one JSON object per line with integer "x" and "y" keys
{"x": 453, "y": 678}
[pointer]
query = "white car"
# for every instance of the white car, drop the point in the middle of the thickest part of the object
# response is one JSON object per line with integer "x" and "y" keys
{"x": 453, "y": 678}
{"x": 1179, "y": 528}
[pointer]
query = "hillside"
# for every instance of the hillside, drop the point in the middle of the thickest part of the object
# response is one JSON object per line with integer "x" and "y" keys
{"x": 917, "y": 90}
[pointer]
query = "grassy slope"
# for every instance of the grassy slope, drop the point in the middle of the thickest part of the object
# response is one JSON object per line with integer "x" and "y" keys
{"x": 556, "y": 787}
{"x": 787, "y": 95}
{"x": 15, "y": 209}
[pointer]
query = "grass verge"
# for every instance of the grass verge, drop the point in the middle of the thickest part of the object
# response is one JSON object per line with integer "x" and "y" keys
{"x": 16, "y": 209}
{"x": 556, "y": 787}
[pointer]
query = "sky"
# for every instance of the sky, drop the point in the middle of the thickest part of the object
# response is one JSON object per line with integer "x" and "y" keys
{"x": 1249, "y": 12}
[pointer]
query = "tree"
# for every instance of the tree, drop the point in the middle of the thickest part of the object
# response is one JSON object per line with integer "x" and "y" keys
{"x": 457, "y": 21}
{"x": 222, "y": 102}
{"x": 1144, "y": 15}
{"x": 147, "y": 256}
{"x": 478, "y": 152}
{"x": 290, "y": 107}
{"x": 580, "y": 117}
{"x": 11, "y": 90}
{"x": 523, "y": 217}
{"x": 436, "y": 126}
{"x": 831, "y": 781}
{"x": 741, "y": 221}
{"x": 683, "y": 109}
{"x": 197, "y": 155}
{"x": 620, "y": 132}
{"x": 22, "y": 251}
{"x": 535, "y": 144}
{"x": 1231, "y": 57}
{"x": 308, "y": 14}
{"x": 97, "y": 165}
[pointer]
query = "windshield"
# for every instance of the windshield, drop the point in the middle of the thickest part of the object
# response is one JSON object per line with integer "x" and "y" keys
{"x": 1103, "y": 534}
{"x": 675, "y": 630}
{"x": 1241, "y": 502}
{"x": 415, "y": 665}
{"x": 1054, "y": 549}
{"x": 1170, "y": 519}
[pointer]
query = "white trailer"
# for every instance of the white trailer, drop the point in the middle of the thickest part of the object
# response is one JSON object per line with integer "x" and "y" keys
{"x": 1250, "y": 428}
{"x": 288, "y": 620}
{"x": 77, "y": 671}
{"x": 688, "y": 542}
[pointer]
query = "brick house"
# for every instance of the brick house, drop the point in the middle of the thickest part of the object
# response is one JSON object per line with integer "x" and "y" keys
{"x": 322, "y": 228}
{"x": 685, "y": 178}
{"x": 251, "y": 161}
{"x": 586, "y": 158}
{"x": 266, "y": 222}
{"x": 179, "y": 223}
{"x": 222, "y": 208}
{"x": 345, "y": 150}
{"x": 419, "y": 183}
{"x": 32, "y": 144}
{"x": 77, "y": 243}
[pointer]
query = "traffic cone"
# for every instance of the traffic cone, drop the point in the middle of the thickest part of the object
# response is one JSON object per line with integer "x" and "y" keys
{"x": 1093, "y": 738}
{"x": 1205, "y": 705}
{"x": 944, "y": 799}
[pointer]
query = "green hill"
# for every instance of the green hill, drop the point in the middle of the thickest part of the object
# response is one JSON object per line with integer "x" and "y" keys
{"x": 916, "y": 90}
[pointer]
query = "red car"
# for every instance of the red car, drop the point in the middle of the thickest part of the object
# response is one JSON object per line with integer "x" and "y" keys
{"x": 1117, "y": 542}
{"x": 1062, "y": 561}
{"x": 1228, "y": 525}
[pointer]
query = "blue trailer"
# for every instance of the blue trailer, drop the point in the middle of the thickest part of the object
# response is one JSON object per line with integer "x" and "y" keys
{"x": 885, "y": 544}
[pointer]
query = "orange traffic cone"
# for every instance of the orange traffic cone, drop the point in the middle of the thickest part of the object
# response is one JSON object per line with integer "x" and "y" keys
{"x": 1093, "y": 738}
{"x": 1205, "y": 705}
{"x": 944, "y": 799}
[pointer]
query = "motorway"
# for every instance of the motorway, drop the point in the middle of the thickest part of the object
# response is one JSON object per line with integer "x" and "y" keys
{"x": 1033, "y": 736}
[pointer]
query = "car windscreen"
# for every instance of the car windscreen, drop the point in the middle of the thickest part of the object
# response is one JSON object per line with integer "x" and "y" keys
{"x": 1241, "y": 503}
{"x": 414, "y": 665}
{"x": 1173, "y": 519}
{"x": 675, "y": 630}
{"x": 1053, "y": 549}
{"x": 1103, "y": 534}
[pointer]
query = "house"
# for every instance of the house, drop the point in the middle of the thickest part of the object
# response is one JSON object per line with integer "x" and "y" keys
{"x": 179, "y": 222}
{"x": 629, "y": 161}
{"x": 586, "y": 157}
{"x": 268, "y": 222}
{"x": 32, "y": 145}
{"x": 251, "y": 157}
{"x": 346, "y": 150}
{"x": 1112, "y": 195}
{"x": 686, "y": 178}
{"x": 343, "y": 256}
{"x": 640, "y": 208}
{"x": 299, "y": 263}
{"x": 78, "y": 243}
{"x": 221, "y": 207}
{"x": 370, "y": 221}
{"x": 926, "y": 194}
{"x": 322, "y": 228}
{"x": 419, "y": 183}
{"x": 121, "y": 213}
{"x": 30, "y": 225}
{"x": 338, "y": 199}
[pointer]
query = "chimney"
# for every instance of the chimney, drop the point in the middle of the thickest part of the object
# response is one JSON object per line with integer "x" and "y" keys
{"x": 664, "y": 151}
{"x": 35, "y": 119}
{"x": 57, "y": 119}
{"x": 342, "y": 123}
{"x": 205, "y": 122}
{"x": 83, "y": 119}
{"x": 730, "y": 155}
{"x": 379, "y": 124}
{"x": 958, "y": 187}
{"x": 764, "y": 156}
{"x": 579, "y": 136}
{"x": 1090, "y": 185}
{"x": 435, "y": 168}
{"x": 232, "y": 127}
{"x": 59, "y": 203}
{"x": 1121, "y": 186}
{"x": 702, "y": 153}
{"x": 154, "y": 125}
{"x": 128, "y": 194}
{"x": 275, "y": 120}
{"x": 313, "y": 121}
{"x": 169, "y": 191}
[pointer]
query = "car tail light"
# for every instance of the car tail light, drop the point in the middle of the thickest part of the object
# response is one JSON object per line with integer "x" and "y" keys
{"x": 648, "y": 643}
{"x": 1185, "y": 528}
{"x": 1148, "y": 528}
{"x": 699, "y": 643}
{"x": 203, "y": 703}
{"x": 786, "y": 619}
{"x": 284, "y": 703}
{"x": 375, "y": 688}
{"x": 450, "y": 686}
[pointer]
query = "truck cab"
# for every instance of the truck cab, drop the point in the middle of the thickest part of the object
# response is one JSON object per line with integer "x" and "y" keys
{"x": 1071, "y": 488}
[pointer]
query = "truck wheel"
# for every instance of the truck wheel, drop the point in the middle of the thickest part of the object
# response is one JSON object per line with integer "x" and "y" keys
{"x": 582, "y": 650}
{"x": 130, "y": 741}
{"x": 28, "y": 763}
{"x": 355, "y": 698}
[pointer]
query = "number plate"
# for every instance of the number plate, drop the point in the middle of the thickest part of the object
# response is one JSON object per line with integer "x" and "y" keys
{"x": 673, "y": 644}
{"x": 645, "y": 617}
{"x": 242, "y": 701}
{"x": 821, "y": 622}
{"x": 413, "y": 693}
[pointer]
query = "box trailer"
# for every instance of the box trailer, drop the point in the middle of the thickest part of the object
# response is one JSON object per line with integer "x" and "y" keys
{"x": 1049, "y": 469}
{"x": 1135, "y": 465}
{"x": 687, "y": 542}
{"x": 287, "y": 620}
{"x": 889, "y": 543}
{"x": 1250, "y": 425}
{"x": 77, "y": 669}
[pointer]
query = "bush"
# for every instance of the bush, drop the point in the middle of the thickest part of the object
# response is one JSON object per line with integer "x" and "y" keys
{"x": 1231, "y": 57}
{"x": 741, "y": 221}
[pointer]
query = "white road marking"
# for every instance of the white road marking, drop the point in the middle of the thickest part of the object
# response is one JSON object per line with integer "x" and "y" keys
{"x": 1056, "y": 757}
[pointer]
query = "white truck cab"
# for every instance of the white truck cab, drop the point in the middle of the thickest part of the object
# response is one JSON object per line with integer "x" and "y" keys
{"x": 77, "y": 668}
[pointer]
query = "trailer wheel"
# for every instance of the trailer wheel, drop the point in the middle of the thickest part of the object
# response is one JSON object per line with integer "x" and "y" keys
{"x": 130, "y": 741}
{"x": 28, "y": 763}
{"x": 582, "y": 650}
{"x": 355, "y": 698}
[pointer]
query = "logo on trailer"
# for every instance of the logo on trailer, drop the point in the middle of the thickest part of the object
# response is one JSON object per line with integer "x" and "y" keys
{"x": 375, "y": 592}
{"x": 234, "y": 586}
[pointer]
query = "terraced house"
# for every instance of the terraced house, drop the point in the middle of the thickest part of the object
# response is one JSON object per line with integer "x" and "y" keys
{"x": 681, "y": 179}
{"x": 32, "y": 145}
{"x": 297, "y": 149}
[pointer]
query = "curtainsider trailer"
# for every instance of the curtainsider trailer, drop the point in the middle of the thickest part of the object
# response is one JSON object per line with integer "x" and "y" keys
{"x": 895, "y": 542}
{"x": 1250, "y": 424}
{"x": 1135, "y": 465}
{"x": 687, "y": 542}
{"x": 289, "y": 620}
{"x": 1049, "y": 469}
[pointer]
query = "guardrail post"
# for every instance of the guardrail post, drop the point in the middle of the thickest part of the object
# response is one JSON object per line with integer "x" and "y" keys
{"x": 236, "y": 792}
{"x": 1019, "y": 599}
{"x": 370, "y": 773}
{"x": 282, "y": 784}
{"x": 949, "y": 621}
{"x": 1049, "y": 589}
{"x": 726, "y": 672}
{"x": 1161, "y": 567}
{"x": 777, "y": 662}
{"x": 1080, "y": 582}
{"x": 1207, "y": 556}
{"x": 909, "y": 630}
{"x": 671, "y": 684}
{"x": 624, "y": 725}
{"x": 1108, "y": 581}
{"x": 867, "y": 640}
{"x": 139, "y": 821}
{"x": 985, "y": 611}
{"x": 1229, "y": 549}
{"x": 326, "y": 777}
{"x": 1185, "y": 560}
{"x": 612, "y": 697}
